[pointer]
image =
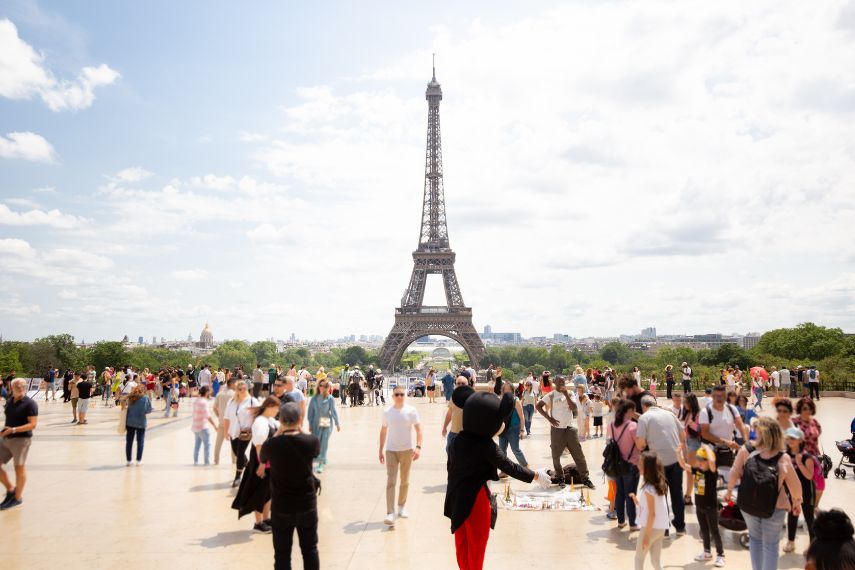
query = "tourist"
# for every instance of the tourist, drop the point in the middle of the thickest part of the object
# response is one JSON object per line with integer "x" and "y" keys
{"x": 833, "y": 547}
{"x": 292, "y": 489}
{"x": 687, "y": 378}
{"x": 622, "y": 430}
{"x": 528, "y": 401}
{"x": 106, "y": 385}
{"x": 652, "y": 511}
{"x": 67, "y": 376}
{"x": 258, "y": 377}
{"x": 757, "y": 389}
{"x": 636, "y": 374}
{"x": 583, "y": 416}
{"x": 663, "y": 434}
{"x": 610, "y": 385}
{"x": 545, "y": 383}
{"x": 430, "y": 386}
{"x": 397, "y": 451}
{"x": 369, "y": 383}
{"x": 380, "y": 396}
{"x": 499, "y": 380}
{"x": 322, "y": 415}
{"x": 786, "y": 384}
{"x": 751, "y": 469}
{"x": 805, "y": 421}
{"x": 453, "y": 422}
{"x": 559, "y": 407}
{"x": 50, "y": 382}
{"x": 204, "y": 377}
{"x": 343, "y": 383}
{"x": 199, "y": 425}
{"x": 813, "y": 382}
{"x": 21, "y": 418}
{"x": 669, "y": 381}
{"x": 690, "y": 417}
{"x": 221, "y": 403}
{"x": 171, "y": 395}
{"x": 511, "y": 434}
{"x": 74, "y": 395}
{"x": 296, "y": 395}
{"x": 239, "y": 426}
{"x": 447, "y": 385}
{"x": 633, "y": 391}
{"x": 150, "y": 384}
{"x": 654, "y": 384}
{"x": 706, "y": 399}
{"x": 321, "y": 375}
{"x": 804, "y": 464}
{"x": 775, "y": 379}
{"x": 719, "y": 424}
{"x": 253, "y": 495}
{"x": 579, "y": 379}
{"x": 139, "y": 405}
{"x": 784, "y": 413}
{"x": 706, "y": 504}
{"x": 84, "y": 396}
{"x": 677, "y": 404}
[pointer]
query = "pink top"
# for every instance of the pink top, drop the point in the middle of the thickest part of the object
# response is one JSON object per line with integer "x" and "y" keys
{"x": 626, "y": 442}
{"x": 200, "y": 414}
{"x": 786, "y": 476}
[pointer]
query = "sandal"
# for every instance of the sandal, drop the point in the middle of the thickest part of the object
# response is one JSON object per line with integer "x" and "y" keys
{"x": 687, "y": 500}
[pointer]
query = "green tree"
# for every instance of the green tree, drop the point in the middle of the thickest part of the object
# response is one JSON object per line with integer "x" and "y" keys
{"x": 233, "y": 353}
{"x": 559, "y": 359}
{"x": 265, "y": 352}
{"x": 616, "y": 353}
{"x": 64, "y": 348}
{"x": 807, "y": 340}
{"x": 109, "y": 353}
{"x": 10, "y": 360}
{"x": 355, "y": 355}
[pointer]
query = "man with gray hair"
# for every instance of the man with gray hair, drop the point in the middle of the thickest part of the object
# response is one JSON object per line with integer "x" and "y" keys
{"x": 661, "y": 432}
{"x": 292, "y": 488}
{"x": 15, "y": 438}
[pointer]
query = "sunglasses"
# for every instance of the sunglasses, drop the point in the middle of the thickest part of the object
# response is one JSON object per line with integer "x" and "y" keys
{"x": 398, "y": 394}
{"x": 783, "y": 411}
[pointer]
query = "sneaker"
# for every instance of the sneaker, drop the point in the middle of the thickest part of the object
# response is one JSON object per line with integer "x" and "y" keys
{"x": 9, "y": 496}
{"x": 790, "y": 547}
{"x": 621, "y": 525}
{"x": 128, "y": 464}
{"x": 611, "y": 515}
{"x": 681, "y": 531}
{"x": 236, "y": 482}
{"x": 588, "y": 483}
{"x": 634, "y": 528}
{"x": 262, "y": 528}
{"x": 403, "y": 513}
{"x": 719, "y": 562}
{"x": 390, "y": 519}
{"x": 320, "y": 468}
{"x": 268, "y": 522}
{"x": 703, "y": 557}
{"x": 11, "y": 503}
{"x": 74, "y": 421}
{"x": 138, "y": 463}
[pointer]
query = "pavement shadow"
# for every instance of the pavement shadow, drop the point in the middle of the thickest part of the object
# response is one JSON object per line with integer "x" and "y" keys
{"x": 211, "y": 487}
{"x": 431, "y": 489}
{"x": 618, "y": 538}
{"x": 223, "y": 539}
{"x": 361, "y": 526}
{"x": 107, "y": 468}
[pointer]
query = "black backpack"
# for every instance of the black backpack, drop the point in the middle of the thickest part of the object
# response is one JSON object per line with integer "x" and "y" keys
{"x": 758, "y": 489}
{"x": 614, "y": 464}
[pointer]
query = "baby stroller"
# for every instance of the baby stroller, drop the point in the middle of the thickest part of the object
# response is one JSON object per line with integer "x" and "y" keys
{"x": 847, "y": 448}
{"x": 730, "y": 518}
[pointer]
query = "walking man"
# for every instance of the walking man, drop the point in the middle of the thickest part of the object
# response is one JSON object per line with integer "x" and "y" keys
{"x": 560, "y": 407}
{"x": 220, "y": 404}
{"x": 396, "y": 439}
{"x": 258, "y": 377}
{"x": 50, "y": 383}
{"x": 15, "y": 438}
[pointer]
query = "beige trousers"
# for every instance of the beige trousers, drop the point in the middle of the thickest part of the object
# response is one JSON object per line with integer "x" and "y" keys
{"x": 394, "y": 459}
{"x": 221, "y": 437}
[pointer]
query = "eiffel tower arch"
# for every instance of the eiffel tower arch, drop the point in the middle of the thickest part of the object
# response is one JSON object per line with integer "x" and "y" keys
{"x": 433, "y": 256}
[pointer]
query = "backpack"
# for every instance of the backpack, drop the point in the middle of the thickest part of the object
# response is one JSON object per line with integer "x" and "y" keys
{"x": 758, "y": 489}
{"x": 813, "y": 374}
{"x": 614, "y": 465}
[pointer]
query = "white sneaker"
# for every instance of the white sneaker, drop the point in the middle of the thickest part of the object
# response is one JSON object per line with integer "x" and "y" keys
{"x": 390, "y": 519}
{"x": 128, "y": 464}
{"x": 719, "y": 562}
{"x": 139, "y": 463}
{"x": 703, "y": 557}
{"x": 403, "y": 513}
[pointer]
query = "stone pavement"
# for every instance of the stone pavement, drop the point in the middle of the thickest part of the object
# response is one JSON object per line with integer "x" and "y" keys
{"x": 85, "y": 509}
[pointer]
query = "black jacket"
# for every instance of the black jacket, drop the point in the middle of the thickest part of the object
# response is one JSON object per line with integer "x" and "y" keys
{"x": 472, "y": 461}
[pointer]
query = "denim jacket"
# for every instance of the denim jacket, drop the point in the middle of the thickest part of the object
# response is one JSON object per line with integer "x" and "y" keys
{"x": 137, "y": 412}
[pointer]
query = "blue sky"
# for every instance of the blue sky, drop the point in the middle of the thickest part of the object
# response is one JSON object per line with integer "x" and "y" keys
{"x": 609, "y": 165}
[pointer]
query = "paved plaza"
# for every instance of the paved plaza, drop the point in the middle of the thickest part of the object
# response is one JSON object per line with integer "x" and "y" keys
{"x": 85, "y": 509}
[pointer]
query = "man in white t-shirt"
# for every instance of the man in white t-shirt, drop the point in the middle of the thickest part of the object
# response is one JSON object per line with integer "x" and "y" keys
{"x": 719, "y": 430}
{"x": 560, "y": 407}
{"x": 776, "y": 381}
{"x": 785, "y": 381}
{"x": 258, "y": 377}
{"x": 813, "y": 382}
{"x": 205, "y": 376}
{"x": 687, "y": 378}
{"x": 396, "y": 450}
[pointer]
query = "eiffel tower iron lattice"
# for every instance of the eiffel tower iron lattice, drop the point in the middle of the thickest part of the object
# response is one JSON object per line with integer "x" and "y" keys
{"x": 433, "y": 256}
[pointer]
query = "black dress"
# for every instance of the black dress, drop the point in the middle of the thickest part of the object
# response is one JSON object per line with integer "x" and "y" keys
{"x": 254, "y": 492}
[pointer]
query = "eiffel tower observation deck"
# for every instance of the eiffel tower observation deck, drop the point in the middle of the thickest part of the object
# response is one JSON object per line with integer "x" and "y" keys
{"x": 432, "y": 256}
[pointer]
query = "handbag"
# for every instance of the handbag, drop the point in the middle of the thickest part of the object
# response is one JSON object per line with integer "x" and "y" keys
{"x": 324, "y": 422}
{"x": 245, "y": 434}
{"x": 122, "y": 426}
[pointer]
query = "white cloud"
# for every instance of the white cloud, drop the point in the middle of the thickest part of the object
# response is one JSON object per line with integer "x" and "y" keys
{"x": 44, "y": 190}
{"x": 52, "y": 218}
{"x": 26, "y": 146}
{"x": 23, "y": 74}
{"x": 190, "y": 275}
{"x": 132, "y": 174}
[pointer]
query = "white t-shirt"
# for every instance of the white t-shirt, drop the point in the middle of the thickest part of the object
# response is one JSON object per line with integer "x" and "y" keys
{"x": 660, "y": 516}
{"x": 400, "y": 422}
{"x": 704, "y": 401}
{"x": 261, "y": 429}
{"x": 687, "y": 373}
{"x": 560, "y": 409}
{"x": 723, "y": 422}
{"x": 205, "y": 377}
{"x": 776, "y": 378}
{"x": 815, "y": 378}
{"x": 239, "y": 416}
{"x": 729, "y": 380}
{"x": 535, "y": 387}
{"x": 785, "y": 377}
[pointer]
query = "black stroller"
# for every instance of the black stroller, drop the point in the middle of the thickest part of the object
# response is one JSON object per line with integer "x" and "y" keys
{"x": 847, "y": 449}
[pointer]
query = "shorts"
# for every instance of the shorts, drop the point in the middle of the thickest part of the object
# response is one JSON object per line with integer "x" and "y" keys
{"x": 74, "y": 403}
{"x": 598, "y": 421}
{"x": 431, "y": 388}
{"x": 83, "y": 405}
{"x": 14, "y": 448}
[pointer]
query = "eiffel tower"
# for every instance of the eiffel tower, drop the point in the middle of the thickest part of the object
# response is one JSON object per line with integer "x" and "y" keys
{"x": 433, "y": 256}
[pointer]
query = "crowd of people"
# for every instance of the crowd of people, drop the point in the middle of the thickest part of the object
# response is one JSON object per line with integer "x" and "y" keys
{"x": 661, "y": 456}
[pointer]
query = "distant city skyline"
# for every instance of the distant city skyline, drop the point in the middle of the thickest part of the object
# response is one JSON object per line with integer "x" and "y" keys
{"x": 607, "y": 165}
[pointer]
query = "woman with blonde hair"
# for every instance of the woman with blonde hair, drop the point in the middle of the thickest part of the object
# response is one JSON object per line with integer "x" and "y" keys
{"x": 751, "y": 469}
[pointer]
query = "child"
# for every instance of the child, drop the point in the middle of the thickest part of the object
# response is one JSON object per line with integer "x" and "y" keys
{"x": 706, "y": 503}
{"x": 804, "y": 465}
{"x": 582, "y": 419}
{"x": 654, "y": 383}
{"x": 597, "y": 411}
{"x": 652, "y": 511}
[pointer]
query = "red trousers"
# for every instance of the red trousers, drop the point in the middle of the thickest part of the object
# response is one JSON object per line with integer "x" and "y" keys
{"x": 470, "y": 540}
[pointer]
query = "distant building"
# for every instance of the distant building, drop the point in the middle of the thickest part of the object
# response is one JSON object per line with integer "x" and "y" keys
{"x": 750, "y": 340}
{"x": 498, "y": 337}
{"x": 564, "y": 338}
{"x": 649, "y": 332}
{"x": 488, "y": 329}
{"x": 154, "y": 340}
{"x": 141, "y": 340}
{"x": 206, "y": 339}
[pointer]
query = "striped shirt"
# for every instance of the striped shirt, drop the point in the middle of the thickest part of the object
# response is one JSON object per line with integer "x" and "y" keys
{"x": 200, "y": 414}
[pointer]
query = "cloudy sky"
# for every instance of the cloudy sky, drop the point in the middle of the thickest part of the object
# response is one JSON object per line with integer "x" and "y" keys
{"x": 608, "y": 165}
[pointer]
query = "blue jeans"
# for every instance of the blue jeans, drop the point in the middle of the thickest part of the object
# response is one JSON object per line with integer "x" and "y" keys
{"x": 448, "y": 439}
{"x": 129, "y": 442}
{"x": 512, "y": 436}
{"x": 624, "y": 505}
{"x": 203, "y": 437}
{"x": 674, "y": 476}
{"x": 764, "y": 537}
{"x": 528, "y": 412}
{"x": 324, "y": 435}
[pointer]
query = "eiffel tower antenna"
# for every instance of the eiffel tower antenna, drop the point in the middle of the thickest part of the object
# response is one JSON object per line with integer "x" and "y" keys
{"x": 432, "y": 256}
